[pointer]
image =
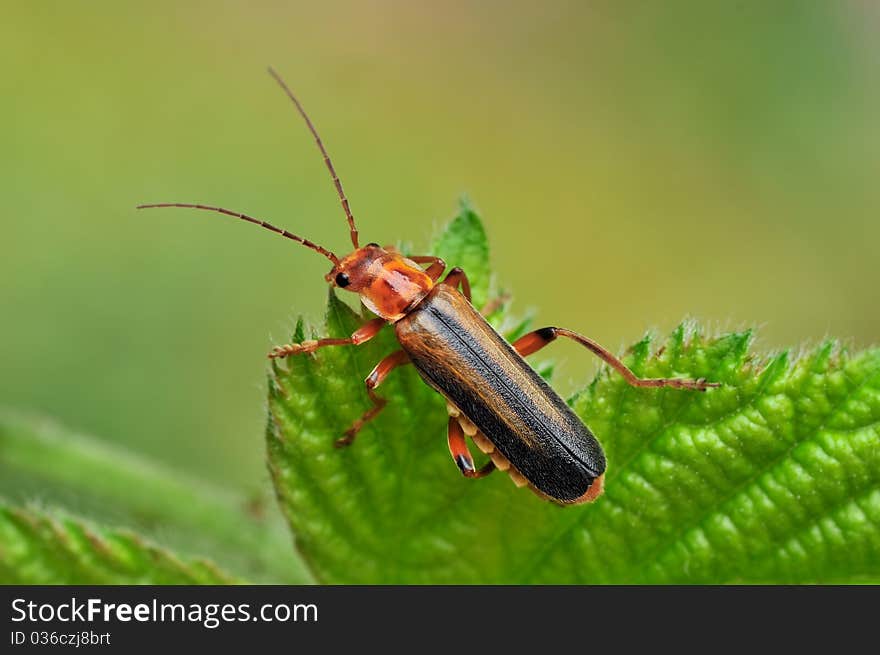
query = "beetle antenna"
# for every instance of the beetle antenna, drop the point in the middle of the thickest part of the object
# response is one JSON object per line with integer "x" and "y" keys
{"x": 250, "y": 219}
{"x": 336, "y": 182}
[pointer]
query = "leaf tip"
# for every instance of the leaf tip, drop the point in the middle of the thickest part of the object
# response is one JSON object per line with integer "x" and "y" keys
{"x": 467, "y": 222}
{"x": 299, "y": 331}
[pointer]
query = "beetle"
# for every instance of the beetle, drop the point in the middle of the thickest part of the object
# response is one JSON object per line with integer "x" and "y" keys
{"x": 493, "y": 396}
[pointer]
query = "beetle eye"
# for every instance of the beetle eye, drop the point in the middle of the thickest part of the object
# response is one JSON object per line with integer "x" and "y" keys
{"x": 373, "y": 245}
{"x": 342, "y": 280}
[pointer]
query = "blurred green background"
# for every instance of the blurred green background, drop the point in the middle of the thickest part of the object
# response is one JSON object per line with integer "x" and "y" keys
{"x": 635, "y": 163}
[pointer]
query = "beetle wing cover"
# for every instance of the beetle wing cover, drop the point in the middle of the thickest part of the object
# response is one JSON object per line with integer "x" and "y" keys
{"x": 458, "y": 353}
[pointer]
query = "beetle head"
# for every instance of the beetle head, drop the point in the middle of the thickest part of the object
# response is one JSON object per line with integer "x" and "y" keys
{"x": 387, "y": 282}
{"x": 355, "y": 271}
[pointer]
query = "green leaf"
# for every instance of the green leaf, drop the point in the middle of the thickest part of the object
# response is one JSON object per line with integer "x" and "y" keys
{"x": 39, "y": 548}
{"x": 42, "y": 460}
{"x": 463, "y": 243}
{"x": 775, "y": 477}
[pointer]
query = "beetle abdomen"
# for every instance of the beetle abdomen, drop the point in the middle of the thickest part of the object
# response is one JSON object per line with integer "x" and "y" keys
{"x": 458, "y": 353}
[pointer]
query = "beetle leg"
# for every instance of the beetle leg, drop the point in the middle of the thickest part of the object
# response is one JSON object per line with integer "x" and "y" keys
{"x": 458, "y": 277}
{"x": 495, "y": 304}
{"x": 436, "y": 268}
{"x": 366, "y": 332}
{"x": 460, "y": 453}
{"x": 534, "y": 341}
{"x": 373, "y": 380}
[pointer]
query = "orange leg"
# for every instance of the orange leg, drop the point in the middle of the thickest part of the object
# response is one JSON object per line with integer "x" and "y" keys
{"x": 436, "y": 268}
{"x": 374, "y": 379}
{"x": 494, "y": 305}
{"x": 366, "y": 332}
{"x": 461, "y": 454}
{"x": 458, "y": 277}
{"x": 534, "y": 341}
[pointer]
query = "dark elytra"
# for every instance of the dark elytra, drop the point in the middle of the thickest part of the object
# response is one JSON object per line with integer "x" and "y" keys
{"x": 460, "y": 355}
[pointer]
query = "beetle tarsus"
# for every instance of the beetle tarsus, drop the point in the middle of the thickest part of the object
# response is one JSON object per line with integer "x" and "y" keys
{"x": 363, "y": 334}
{"x": 695, "y": 385}
{"x": 279, "y": 352}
